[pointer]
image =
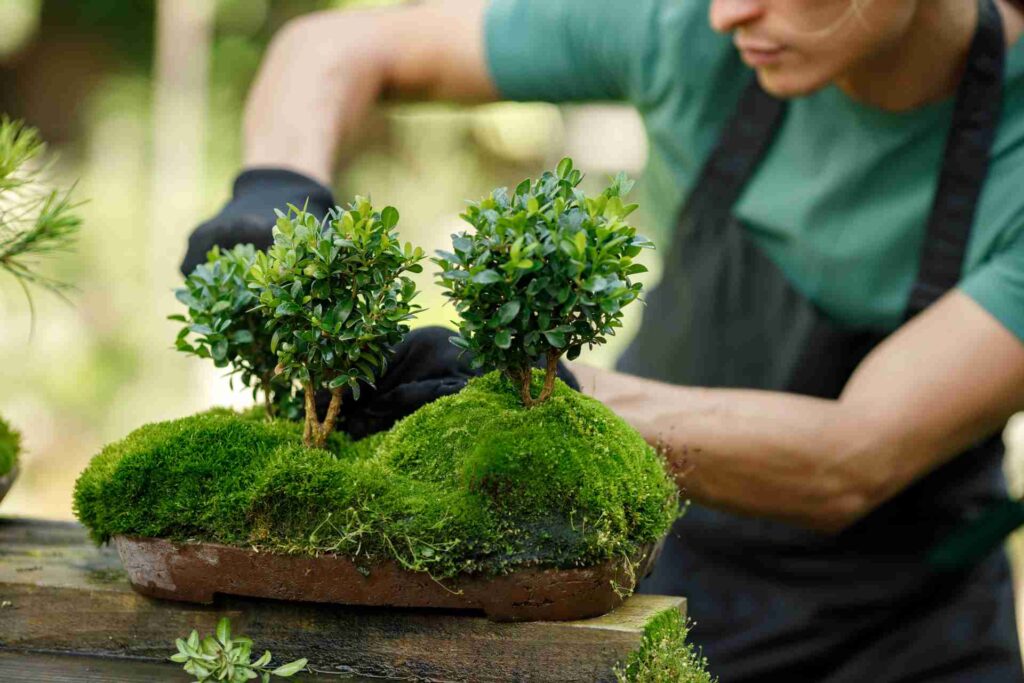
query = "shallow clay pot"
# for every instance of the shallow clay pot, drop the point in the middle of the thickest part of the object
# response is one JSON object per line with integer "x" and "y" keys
{"x": 195, "y": 572}
{"x": 7, "y": 481}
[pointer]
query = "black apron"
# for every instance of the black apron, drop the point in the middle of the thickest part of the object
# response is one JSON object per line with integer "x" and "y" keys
{"x": 774, "y": 602}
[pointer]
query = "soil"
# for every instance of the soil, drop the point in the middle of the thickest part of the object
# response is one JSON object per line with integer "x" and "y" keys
{"x": 195, "y": 572}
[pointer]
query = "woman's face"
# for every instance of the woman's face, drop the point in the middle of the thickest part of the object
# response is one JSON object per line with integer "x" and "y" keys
{"x": 799, "y": 46}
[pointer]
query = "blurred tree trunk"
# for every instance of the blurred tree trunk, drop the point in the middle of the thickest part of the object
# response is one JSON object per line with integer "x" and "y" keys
{"x": 184, "y": 30}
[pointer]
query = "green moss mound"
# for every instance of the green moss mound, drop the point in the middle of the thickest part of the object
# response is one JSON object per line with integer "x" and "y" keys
{"x": 10, "y": 444}
{"x": 664, "y": 656}
{"x": 470, "y": 483}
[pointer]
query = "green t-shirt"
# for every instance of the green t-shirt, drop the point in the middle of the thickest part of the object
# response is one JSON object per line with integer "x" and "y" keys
{"x": 840, "y": 203}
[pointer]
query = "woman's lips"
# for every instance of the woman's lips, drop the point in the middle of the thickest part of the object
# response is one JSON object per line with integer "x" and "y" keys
{"x": 759, "y": 53}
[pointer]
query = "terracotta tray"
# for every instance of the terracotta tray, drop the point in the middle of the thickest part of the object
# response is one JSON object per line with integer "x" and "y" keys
{"x": 195, "y": 572}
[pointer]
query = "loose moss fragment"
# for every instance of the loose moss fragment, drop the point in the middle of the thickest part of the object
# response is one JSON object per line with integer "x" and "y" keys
{"x": 10, "y": 444}
{"x": 470, "y": 483}
{"x": 664, "y": 656}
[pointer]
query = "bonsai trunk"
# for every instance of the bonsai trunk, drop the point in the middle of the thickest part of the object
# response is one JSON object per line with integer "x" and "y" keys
{"x": 268, "y": 395}
{"x": 314, "y": 432}
{"x": 524, "y": 376}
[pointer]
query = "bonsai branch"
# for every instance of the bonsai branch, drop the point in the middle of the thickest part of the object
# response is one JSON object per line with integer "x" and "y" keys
{"x": 314, "y": 432}
{"x": 524, "y": 378}
{"x": 268, "y": 395}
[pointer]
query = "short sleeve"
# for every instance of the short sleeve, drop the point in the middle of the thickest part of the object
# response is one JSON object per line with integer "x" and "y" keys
{"x": 998, "y": 285}
{"x": 569, "y": 50}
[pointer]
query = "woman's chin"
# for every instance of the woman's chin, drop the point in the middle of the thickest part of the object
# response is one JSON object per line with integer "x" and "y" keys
{"x": 787, "y": 83}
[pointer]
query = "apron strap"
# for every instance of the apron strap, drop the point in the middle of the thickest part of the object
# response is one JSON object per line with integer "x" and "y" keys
{"x": 965, "y": 164}
{"x": 740, "y": 147}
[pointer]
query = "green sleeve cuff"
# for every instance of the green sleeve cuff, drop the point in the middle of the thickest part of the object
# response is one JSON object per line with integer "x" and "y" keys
{"x": 998, "y": 287}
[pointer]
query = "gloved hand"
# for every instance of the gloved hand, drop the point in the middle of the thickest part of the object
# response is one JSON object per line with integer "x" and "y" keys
{"x": 425, "y": 366}
{"x": 249, "y": 217}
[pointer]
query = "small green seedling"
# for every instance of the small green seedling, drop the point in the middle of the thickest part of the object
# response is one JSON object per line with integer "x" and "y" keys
{"x": 545, "y": 272}
{"x": 223, "y": 658}
{"x": 222, "y": 325}
{"x": 337, "y": 297}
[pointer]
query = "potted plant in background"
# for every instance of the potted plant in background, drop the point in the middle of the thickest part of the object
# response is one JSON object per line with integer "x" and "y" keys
{"x": 517, "y": 496}
{"x": 35, "y": 222}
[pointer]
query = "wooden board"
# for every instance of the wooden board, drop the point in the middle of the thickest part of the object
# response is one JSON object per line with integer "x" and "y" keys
{"x": 50, "y": 668}
{"x": 59, "y": 594}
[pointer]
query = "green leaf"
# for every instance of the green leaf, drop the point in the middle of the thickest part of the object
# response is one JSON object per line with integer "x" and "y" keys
{"x": 508, "y": 312}
{"x": 224, "y": 630}
{"x": 564, "y": 167}
{"x": 291, "y": 668}
{"x": 556, "y": 339}
{"x": 487, "y": 277}
{"x": 503, "y": 339}
{"x": 580, "y": 240}
{"x": 389, "y": 217}
{"x": 220, "y": 350}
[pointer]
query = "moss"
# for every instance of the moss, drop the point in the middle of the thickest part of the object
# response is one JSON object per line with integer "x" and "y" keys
{"x": 664, "y": 656}
{"x": 10, "y": 444}
{"x": 472, "y": 482}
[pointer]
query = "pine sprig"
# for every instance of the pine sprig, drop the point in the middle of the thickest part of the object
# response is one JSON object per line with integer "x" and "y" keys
{"x": 36, "y": 221}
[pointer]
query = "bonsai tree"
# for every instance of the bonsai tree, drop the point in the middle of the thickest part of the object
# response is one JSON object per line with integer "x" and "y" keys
{"x": 544, "y": 272}
{"x": 222, "y": 323}
{"x": 337, "y": 297}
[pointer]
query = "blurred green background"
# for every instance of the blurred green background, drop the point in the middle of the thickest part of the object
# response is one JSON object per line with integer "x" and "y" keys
{"x": 141, "y": 102}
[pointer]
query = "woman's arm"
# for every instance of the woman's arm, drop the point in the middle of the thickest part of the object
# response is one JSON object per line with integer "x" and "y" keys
{"x": 323, "y": 72}
{"x": 948, "y": 378}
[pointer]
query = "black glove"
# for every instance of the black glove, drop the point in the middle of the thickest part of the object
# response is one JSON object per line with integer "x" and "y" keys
{"x": 249, "y": 217}
{"x": 425, "y": 366}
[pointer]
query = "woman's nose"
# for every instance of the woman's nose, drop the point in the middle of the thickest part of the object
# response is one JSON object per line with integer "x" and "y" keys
{"x": 729, "y": 15}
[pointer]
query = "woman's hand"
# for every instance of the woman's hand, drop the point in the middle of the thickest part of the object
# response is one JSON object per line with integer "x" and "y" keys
{"x": 425, "y": 366}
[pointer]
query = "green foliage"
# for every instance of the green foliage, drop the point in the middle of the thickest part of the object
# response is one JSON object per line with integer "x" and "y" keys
{"x": 664, "y": 655}
{"x": 222, "y": 325}
{"x": 220, "y": 657}
{"x": 337, "y": 297}
{"x": 472, "y": 482}
{"x": 10, "y": 444}
{"x": 35, "y": 221}
{"x": 545, "y": 272}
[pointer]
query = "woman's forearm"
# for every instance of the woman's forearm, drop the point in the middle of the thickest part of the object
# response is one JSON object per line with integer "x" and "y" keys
{"x": 324, "y": 71}
{"x": 760, "y": 453}
{"x": 918, "y": 399}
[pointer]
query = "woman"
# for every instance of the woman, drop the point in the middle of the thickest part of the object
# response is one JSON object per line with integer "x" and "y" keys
{"x": 836, "y": 342}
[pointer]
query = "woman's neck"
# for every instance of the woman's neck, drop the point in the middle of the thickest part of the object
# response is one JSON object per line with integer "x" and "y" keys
{"x": 928, "y": 63}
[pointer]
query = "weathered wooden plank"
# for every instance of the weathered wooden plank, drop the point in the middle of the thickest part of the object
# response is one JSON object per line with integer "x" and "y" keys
{"x": 52, "y": 668}
{"x": 60, "y": 594}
